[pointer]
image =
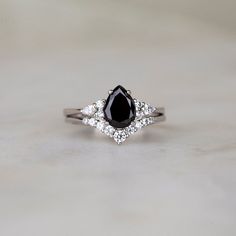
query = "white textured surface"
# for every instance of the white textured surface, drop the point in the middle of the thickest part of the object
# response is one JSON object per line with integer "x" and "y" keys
{"x": 175, "y": 179}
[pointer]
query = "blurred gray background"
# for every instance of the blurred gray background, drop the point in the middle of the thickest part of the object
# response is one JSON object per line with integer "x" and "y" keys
{"x": 56, "y": 25}
{"x": 177, "y": 178}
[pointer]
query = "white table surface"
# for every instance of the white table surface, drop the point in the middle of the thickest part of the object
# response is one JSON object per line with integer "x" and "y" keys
{"x": 173, "y": 179}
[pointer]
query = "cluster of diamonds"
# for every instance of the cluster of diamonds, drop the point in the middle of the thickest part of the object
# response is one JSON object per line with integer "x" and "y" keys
{"x": 94, "y": 116}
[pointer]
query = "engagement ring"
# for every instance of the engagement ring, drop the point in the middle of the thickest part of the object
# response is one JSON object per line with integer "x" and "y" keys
{"x": 118, "y": 116}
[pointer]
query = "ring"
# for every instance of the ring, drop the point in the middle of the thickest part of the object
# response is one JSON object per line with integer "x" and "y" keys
{"x": 118, "y": 116}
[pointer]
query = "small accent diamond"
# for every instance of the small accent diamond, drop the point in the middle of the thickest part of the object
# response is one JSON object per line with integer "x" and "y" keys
{"x": 85, "y": 121}
{"x": 147, "y": 121}
{"x": 109, "y": 130}
{"x": 146, "y": 109}
{"x": 100, "y": 104}
{"x": 144, "y": 121}
{"x": 138, "y": 125}
{"x": 100, "y": 125}
{"x": 131, "y": 129}
{"x": 99, "y": 114}
{"x": 151, "y": 109}
{"x": 120, "y": 136}
{"x": 92, "y": 122}
{"x": 89, "y": 110}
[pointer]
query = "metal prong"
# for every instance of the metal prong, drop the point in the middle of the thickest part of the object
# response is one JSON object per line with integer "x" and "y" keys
{"x": 110, "y": 92}
{"x": 129, "y": 92}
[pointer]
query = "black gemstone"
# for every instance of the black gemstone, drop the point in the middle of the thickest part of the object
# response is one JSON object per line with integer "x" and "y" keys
{"x": 119, "y": 109}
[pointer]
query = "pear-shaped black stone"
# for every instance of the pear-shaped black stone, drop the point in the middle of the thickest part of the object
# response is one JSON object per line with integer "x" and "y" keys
{"x": 119, "y": 109}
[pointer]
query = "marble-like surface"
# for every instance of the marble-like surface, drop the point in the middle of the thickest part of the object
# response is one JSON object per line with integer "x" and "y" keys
{"x": 173, "y": 179}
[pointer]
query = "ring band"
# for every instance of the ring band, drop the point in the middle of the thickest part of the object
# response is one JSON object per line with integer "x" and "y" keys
{"x": 119, "y": 116}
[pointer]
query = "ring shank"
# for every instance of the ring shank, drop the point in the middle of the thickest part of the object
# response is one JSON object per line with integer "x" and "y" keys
{"x": 75, "y": 116}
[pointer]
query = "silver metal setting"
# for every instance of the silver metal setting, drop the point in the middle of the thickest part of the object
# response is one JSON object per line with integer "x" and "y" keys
{"x": 93, "y": 115}
{"x": 129, "y": 92}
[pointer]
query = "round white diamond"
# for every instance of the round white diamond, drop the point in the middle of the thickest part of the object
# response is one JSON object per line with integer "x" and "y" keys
{"x": 89, "y": 110}
{"x": 150, "y": 120}
{"x": 146, "y": 106}
{"x": 139, "y": 113}
{"x": 131, "y": 129}
{"x": 138, "y": 125}
{"x": 144, "y": 122}
{"x": 120, "y": 136}
{"x": 101, "y": 125}
{"x": 100, "y": 104}
{"x": 85, "y": 121}
{"x": 99, "y": 114}
{"x": 138, "y": 105}
{"x": 151, "y": 109}
{"x": 146, "y": 109}
{"x": 109, "y": 130}
{"x": 92, "y": 122}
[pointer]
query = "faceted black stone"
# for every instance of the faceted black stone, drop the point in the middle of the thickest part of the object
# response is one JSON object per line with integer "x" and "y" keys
{"x": 119, "y": 109}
